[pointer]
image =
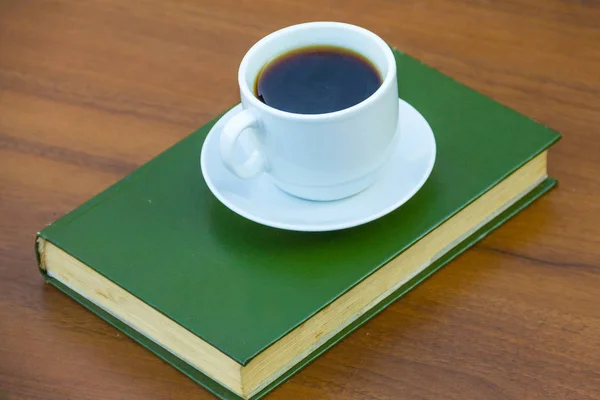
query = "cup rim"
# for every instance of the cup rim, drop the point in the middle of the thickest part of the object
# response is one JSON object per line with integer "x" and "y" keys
{"x": 387, "y": 80}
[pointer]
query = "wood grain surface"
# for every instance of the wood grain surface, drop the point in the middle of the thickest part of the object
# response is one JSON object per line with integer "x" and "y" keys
{"x": 90, "y": 90}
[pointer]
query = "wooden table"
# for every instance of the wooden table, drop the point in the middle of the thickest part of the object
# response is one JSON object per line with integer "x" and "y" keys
{"x": 90, "y": 90}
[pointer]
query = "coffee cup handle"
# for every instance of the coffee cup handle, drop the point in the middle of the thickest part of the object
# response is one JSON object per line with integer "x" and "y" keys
{"x": 255, "y": 163}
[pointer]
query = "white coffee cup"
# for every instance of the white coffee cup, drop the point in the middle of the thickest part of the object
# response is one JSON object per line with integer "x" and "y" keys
{"x": 315, "y": 156}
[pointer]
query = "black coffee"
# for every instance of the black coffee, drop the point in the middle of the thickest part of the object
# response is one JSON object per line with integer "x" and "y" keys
{"x": 317, "y": 80}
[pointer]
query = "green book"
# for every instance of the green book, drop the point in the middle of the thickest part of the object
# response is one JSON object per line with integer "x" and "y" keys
{"x": 239, "y": 307}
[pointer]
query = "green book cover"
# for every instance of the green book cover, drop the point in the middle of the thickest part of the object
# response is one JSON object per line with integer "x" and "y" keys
{"x": 164, "y": 238}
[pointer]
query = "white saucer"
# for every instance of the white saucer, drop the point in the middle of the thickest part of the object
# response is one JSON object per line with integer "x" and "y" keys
{"x": 261, "y": 201}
